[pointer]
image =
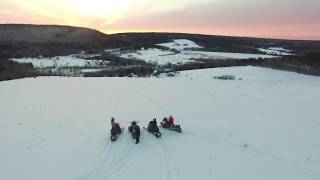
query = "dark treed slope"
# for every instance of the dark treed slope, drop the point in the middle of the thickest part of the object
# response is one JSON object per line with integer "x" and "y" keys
{"x": 52, "y": 40}
{"x": 47, "y": 40}
{"x": 15, "y": 33}
{"x": 213, "y": 42}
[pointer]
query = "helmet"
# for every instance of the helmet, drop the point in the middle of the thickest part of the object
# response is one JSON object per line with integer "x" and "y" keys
{"x": 112, "y": 119}
{"x": 134, "y": 122}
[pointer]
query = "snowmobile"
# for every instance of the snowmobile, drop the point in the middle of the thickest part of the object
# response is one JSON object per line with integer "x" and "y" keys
{"x": 173, "y": 127}
{"x": 153, "y": 128}
{"x": 115, "y": 131}
{"x": 134, "y": 129}
{"x": 155, "y": 133}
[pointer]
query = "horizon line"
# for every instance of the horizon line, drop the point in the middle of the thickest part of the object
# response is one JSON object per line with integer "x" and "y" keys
{"x": 167, "y": 32}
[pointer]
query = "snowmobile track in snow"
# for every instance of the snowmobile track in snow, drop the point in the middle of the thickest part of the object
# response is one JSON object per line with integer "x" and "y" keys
{"x": 113, "y": 159}
{"x": 170, "y": 167}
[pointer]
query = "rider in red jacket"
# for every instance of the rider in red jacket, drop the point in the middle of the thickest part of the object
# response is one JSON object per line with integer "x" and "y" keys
{"x": 171, "y": 121}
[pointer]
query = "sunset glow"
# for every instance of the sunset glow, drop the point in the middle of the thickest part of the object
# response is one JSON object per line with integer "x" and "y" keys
{"x": 293, "y": 19}
{"x": 98, "y": 8}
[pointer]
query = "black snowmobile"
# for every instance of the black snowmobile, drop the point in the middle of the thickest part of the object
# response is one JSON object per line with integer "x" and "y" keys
{"x": 134, "y": 129}
{"x": 164, "y": 124}
{"x": 115, "y": 130}
{"x": 153, "y": 128}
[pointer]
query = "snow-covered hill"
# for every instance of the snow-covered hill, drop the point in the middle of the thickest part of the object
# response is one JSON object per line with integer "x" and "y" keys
{"x": 264, "y": 126}
{"x": 181, "y": 44}
{"x": 27, "y": 33}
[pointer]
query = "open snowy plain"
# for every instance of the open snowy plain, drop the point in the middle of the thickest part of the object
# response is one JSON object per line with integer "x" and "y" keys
{"x": 264, "y": 125}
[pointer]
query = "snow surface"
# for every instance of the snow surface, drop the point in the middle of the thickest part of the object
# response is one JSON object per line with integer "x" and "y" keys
{"x": 226, "y": 55}
{"x": 61, "y": 61}
{"x": 180, "y": 44}
{"x": 179, "y": 52}
{"x": 165, "y": 56}
{"x": 280, "y": 51}
{"x": 263, "y": 127}
{"x": 160, "y": 56}
{"x": 91, "y": 70}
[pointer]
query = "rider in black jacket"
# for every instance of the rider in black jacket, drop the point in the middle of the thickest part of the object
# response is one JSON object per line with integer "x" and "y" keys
{"x": 135, "y": 131}
{"x": 153, "y": 127}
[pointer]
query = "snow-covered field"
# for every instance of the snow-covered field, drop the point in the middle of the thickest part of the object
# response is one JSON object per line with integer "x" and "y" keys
{"x": 178, "y": 51}
{"x": 263, "y": 127}
{"x": 181, "y": 44}
{"x": 62, "y": 61}
{"x": 279, "y": 51}
{"x": 182, "y": 53}
{"x": 166, "y": 56}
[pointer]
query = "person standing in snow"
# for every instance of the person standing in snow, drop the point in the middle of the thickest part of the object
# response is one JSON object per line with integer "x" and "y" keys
{"x": 134, "y": 129}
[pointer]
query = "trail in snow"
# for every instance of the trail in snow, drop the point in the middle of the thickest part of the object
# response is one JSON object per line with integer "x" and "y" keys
{"x": 172, "y": 169}
{"x": 116, "y": 155}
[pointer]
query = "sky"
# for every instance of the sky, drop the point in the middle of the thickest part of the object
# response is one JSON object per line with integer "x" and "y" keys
{"x": 288, "y": 19}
